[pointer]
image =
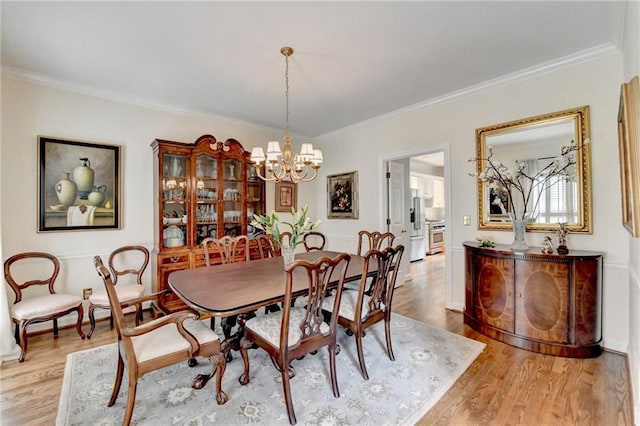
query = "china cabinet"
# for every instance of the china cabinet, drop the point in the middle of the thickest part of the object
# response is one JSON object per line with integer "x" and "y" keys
{"x": 204, "y": 189}
{"x": 546, "y": 303}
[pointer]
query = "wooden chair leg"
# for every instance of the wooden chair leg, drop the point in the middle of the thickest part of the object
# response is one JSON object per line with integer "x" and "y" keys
{"x": 79, "y": 322}
{"x": 387, "y": 332}
{"x": 332, "y": 369}
{"x": 131, "y": 399}
{"x": 117, "y": 382}
{"x": 22, "y": 341}
{"x": 363, "y": 367}
{"x": 92, "y": 319}
{"x": 286, "y": 388}
{"x": 55, "y": 327}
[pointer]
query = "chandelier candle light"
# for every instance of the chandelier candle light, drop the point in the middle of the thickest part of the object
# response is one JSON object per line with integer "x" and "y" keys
{"x": 523, "y": 189}
{"x": 285, "y": 164}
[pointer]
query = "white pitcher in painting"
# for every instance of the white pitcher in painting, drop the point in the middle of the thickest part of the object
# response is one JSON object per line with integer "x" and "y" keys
{"x": 83, "y": 177}
{"x": 66, "y": 190}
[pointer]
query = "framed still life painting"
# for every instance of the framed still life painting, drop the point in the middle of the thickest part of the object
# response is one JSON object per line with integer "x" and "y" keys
{"x": 78, "y": 185}
{"x": 342, "y": 196}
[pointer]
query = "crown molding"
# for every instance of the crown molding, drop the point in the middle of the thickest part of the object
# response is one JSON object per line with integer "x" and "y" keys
{"x": 544, "y": 68}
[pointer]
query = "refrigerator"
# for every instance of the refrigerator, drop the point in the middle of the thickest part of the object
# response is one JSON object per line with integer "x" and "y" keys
{"x": 417, "y": 236}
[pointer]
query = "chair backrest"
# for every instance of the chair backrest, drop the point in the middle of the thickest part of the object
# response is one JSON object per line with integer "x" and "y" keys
{"x": 373, "y": 241}
{"x": 265, "y": 246}
{"x": 285, "y": 238}
{"x": 314, "y": 241}
{"x": 121, "y": 259}
{"x": 230, "y": 249}
{"x": 116, "y": 309}
{"x": 318, "y": 275}
{"x": 380, "y": 288}
{"x": 48, "y": 279}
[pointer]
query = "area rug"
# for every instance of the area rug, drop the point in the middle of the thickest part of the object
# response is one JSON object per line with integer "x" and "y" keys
{"x": 428, "y": 362}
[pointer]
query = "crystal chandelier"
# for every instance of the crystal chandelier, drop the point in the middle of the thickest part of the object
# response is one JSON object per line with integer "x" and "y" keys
{"x": 285, "y": 164}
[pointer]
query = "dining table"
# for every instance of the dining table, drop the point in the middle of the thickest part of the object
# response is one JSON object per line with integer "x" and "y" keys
{"x": 241, "y": 288}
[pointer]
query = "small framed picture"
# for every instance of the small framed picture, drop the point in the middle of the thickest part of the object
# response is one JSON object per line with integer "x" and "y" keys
{"x": 78, "y": 185}
{"x": 342, "y": 196}
{"x": 286, "y": 196}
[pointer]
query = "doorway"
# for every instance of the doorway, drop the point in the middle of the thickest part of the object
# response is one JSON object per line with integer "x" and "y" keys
{"x": 426, "y": 189}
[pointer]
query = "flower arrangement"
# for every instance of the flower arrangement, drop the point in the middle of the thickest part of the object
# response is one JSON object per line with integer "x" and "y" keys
{"x": 299, "y": 226}
{"x": 522, "y": 188}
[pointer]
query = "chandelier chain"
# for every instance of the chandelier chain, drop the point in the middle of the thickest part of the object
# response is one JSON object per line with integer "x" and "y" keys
{"x": 286, "y": 91}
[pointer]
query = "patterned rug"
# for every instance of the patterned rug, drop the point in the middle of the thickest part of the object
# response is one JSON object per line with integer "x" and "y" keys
{"x": 428, "y": 361}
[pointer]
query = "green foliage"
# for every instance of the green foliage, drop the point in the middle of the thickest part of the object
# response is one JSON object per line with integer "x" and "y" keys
{"x": 299, "y": 226}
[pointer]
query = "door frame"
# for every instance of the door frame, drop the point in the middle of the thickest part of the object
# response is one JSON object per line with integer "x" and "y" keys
{"x": 382, "y": 190}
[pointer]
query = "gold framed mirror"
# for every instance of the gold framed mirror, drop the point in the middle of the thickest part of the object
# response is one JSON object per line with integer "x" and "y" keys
{"x": 535, "y": 143}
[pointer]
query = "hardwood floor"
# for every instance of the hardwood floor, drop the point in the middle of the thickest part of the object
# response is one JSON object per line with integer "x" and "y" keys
{"x": 504, "y": 386}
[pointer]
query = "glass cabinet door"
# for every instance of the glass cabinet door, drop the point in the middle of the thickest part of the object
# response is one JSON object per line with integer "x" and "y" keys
{"x": 174, "y": 207}
{"x": 255, "y": 199}
{"x": 206, "y": 198}
{"x": 232, "y": 197}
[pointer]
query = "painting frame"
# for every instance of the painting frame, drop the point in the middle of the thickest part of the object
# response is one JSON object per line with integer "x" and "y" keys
{"x": 342, "y": 196}
{"x": 79, "y": 185}
{"x": 286, "y": 196}
{"x": 629, "y": 151}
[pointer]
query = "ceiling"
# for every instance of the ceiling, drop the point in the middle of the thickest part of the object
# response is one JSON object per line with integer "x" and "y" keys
{"x": 353, "y": 61}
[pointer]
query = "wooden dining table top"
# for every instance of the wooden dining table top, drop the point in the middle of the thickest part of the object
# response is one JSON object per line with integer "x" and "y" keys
{"x": 236, "y": 288}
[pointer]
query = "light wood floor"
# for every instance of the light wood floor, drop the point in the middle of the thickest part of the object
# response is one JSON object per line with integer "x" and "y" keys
{"x": 504, "y": 386}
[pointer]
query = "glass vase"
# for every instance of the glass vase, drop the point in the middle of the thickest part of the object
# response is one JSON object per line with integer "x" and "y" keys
{"x": 288, "y": 255}
{"x": 519, "y": 230}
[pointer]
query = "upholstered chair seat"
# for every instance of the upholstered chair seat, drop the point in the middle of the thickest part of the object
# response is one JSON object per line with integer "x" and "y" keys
{"x": 166, "y": 340}
{"x": 270, "y": 326}
{"x": 348, "y": 305}
{"x": 125, "y": 292}
{"x": 41, "y": 306}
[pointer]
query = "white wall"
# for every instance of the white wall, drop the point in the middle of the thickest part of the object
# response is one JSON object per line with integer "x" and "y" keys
{"x": 32, "y": 109}
{"x": 631, "y": 68}
{"x": 452, "y": 123}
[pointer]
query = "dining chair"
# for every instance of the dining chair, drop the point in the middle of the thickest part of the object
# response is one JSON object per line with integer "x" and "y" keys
{"x": 358, "y": 311}
{"x": 227, "y": 249}
{"x": 127, "y": 264}
{"x": 314, "y": 240}
{"x": 35, "y": 269}
{"x": 373, "y": 240}
{"x": 293, "y": 332}
{"x": 285, "y": 240}
{"x": 164, "y": 341}
{"x": 265, "y": 246}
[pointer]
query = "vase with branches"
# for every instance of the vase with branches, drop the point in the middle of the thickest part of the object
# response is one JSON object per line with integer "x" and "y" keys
{"x": 524, "y": 188}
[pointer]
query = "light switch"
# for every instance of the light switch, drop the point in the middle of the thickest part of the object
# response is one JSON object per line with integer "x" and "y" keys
{"x": 466, "y": 220}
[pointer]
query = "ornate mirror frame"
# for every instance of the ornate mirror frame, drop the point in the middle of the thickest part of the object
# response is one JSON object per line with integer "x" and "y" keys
{"x": 529, "y": 128}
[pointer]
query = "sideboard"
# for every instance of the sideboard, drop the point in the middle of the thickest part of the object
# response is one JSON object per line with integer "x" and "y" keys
{"x": 547, "y": 303}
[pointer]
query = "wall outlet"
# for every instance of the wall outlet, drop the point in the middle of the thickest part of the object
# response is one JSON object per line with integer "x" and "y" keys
{"x": 86, "y": 293}
{"x": 466, "y": 220}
